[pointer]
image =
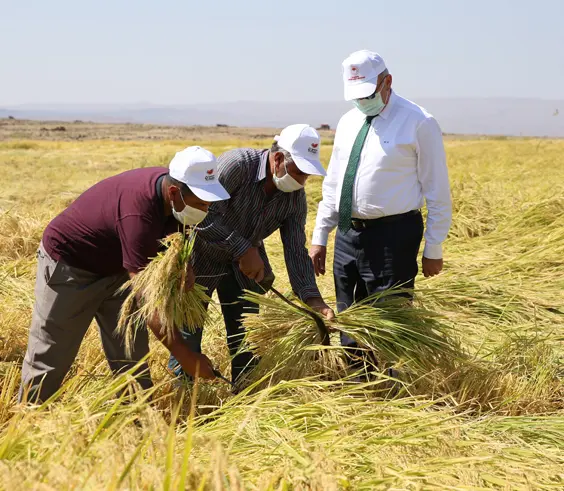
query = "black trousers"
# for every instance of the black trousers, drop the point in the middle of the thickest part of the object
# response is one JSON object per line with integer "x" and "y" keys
{"x": 374, "y": 259}
{"x": 232, "y": 307}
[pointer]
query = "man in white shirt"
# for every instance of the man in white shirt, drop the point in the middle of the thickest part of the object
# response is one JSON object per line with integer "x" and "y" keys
{"x": 388, "y": 158}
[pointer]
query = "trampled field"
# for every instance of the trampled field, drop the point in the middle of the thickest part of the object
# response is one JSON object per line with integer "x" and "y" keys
{"x": 494, "y": 421}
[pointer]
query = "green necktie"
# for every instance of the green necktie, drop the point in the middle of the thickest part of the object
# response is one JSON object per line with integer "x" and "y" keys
{"x": 345, "y": 205}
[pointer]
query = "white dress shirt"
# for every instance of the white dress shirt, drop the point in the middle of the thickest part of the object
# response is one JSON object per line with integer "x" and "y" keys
{"x": 402, "y": 164}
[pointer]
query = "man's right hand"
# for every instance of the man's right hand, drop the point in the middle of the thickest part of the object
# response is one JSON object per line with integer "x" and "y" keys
{"x": 190, "y": 361}
{"x": 318, "y": 255}
{"x": 198, "y": 363}
{"x": 252, "y": 265}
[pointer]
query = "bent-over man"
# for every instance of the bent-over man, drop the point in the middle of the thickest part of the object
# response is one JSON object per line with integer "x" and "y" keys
{"x": 267, "y": 194}
{"x": 106, "y": 236}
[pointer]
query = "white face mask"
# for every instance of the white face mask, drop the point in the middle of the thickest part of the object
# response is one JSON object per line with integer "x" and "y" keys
{"x": 189, "y": 215}
{"x": 286, "y": 183}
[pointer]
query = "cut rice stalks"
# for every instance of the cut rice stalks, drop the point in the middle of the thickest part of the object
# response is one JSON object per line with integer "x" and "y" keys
{"x": 286, "y": 340}
{"x": 388, "y": 327}
{"x": 161, "y": 287}
{"x": 398, "y": 330}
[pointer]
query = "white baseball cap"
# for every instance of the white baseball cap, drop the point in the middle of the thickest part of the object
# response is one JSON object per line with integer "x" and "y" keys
{"x": 197, "y": 168}
{"x": 360, "y": 73}
{"x": 302, "y": 142}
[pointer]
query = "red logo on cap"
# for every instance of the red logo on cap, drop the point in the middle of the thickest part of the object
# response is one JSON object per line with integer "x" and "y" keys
{"x": 355, "y": 75}
{"x": 210, "y": 172}
{"x": 314, "y": 145}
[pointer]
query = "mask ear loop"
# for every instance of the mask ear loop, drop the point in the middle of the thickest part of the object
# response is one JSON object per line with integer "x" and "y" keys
{"x": 286, "y": 167}
{"x": 182, "y": 198}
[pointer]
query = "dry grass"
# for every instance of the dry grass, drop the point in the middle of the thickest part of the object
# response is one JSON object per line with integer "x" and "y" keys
{"x": 492, "y": 420}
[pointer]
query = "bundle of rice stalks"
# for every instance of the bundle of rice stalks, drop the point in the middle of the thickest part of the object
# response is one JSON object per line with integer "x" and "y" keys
{"x": 161, "y": 289}
{"x": 287, "y": 340}
{"x": 398, "y": 330}
{"x": 393, "y": 331}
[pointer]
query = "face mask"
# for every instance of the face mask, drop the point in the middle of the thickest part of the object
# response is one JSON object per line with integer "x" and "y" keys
{"x": 370, "y": 107}
{"x": 286, "y": 183}
{"x": 189, "y": 215}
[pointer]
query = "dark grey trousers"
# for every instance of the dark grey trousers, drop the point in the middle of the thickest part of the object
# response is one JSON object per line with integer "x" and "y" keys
{"x": 67, "y": 299}
{"x": 373, "y": 260}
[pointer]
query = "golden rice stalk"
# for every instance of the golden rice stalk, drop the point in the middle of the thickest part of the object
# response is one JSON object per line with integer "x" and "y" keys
{"x": 394, "y": 330}
{"x": 398, "y": 330}
{"x": 286, "y": 340}
{"x": 161, "y": 287}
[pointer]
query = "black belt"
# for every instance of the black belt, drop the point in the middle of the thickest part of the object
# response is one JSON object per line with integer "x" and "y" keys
{"x": 361, "y": 224}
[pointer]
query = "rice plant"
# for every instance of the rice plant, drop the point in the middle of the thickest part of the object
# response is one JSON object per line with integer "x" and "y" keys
{"x": 387, "y": 327}
{"x": 160, "y": 290}
{"x": 483, "y": 412}
{"x": 287, "y": 340}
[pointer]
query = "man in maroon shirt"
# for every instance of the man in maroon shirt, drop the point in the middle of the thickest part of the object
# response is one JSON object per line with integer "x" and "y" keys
{"x": 102, "y": 239}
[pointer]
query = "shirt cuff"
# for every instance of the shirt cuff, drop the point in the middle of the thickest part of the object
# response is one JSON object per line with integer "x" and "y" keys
{"x": 309, "y": 292}
{"x": 320, "y": 238}
{"x": 238, "y": 246}
{"x": 433, "y": 251}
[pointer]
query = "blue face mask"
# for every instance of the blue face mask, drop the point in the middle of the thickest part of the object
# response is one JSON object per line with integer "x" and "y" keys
{"x": 370, "y": 107}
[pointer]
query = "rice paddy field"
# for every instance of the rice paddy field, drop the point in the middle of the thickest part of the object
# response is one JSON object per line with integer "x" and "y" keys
{"x": 493, "y": 418}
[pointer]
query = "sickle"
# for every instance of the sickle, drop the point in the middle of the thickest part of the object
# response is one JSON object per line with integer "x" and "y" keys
{"x": 321, "y": 327}
{"x": 217, "y": 373}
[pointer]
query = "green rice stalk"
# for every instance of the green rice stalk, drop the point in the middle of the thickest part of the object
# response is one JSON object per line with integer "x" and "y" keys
{"x": 161, "y": 287}
{"x": 397, "y": 330}
{"x": 394, "y": 330}
{"x": 286, "y": 340}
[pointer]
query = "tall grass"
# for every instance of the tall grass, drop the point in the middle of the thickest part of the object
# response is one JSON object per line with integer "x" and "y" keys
{"x": 490, "y": 416}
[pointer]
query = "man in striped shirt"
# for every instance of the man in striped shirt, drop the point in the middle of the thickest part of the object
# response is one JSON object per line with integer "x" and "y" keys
{"x": 266, "y": 188}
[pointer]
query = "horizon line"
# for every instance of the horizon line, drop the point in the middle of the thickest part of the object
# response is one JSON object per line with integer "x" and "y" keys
{"x": 249, "y": 101}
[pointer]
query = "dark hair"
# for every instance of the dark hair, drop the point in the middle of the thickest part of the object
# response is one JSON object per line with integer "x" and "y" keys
{"x": 184, "y": 189}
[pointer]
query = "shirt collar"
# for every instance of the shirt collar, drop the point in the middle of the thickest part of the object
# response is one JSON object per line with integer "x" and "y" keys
{"x": 261, "y": 174}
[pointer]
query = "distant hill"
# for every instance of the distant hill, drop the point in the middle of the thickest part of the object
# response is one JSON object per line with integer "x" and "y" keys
{"x": 514, "y": 117}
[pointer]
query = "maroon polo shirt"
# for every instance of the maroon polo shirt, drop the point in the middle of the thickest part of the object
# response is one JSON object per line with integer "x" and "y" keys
{"x": 115, "y": 225}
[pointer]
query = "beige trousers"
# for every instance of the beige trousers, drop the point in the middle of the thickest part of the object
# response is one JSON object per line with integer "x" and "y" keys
{"x": 66, "y": 301}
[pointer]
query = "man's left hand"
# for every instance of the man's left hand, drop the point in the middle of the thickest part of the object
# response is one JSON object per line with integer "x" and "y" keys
{"x": 317, "y": 304}
{"x": 432, "y": 267}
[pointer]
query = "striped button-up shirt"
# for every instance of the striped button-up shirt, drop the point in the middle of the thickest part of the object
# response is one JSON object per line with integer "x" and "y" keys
{"x": 246, "y": 219}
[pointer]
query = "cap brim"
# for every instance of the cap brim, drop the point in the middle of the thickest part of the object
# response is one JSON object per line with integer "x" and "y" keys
{"x": 310, "y": 167}
{"x": 210, "y": 192}
{"x": 359, "y": 91}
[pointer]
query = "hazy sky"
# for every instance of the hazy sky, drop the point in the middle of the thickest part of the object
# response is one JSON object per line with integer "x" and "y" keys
{"x": 175, "y": 52}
